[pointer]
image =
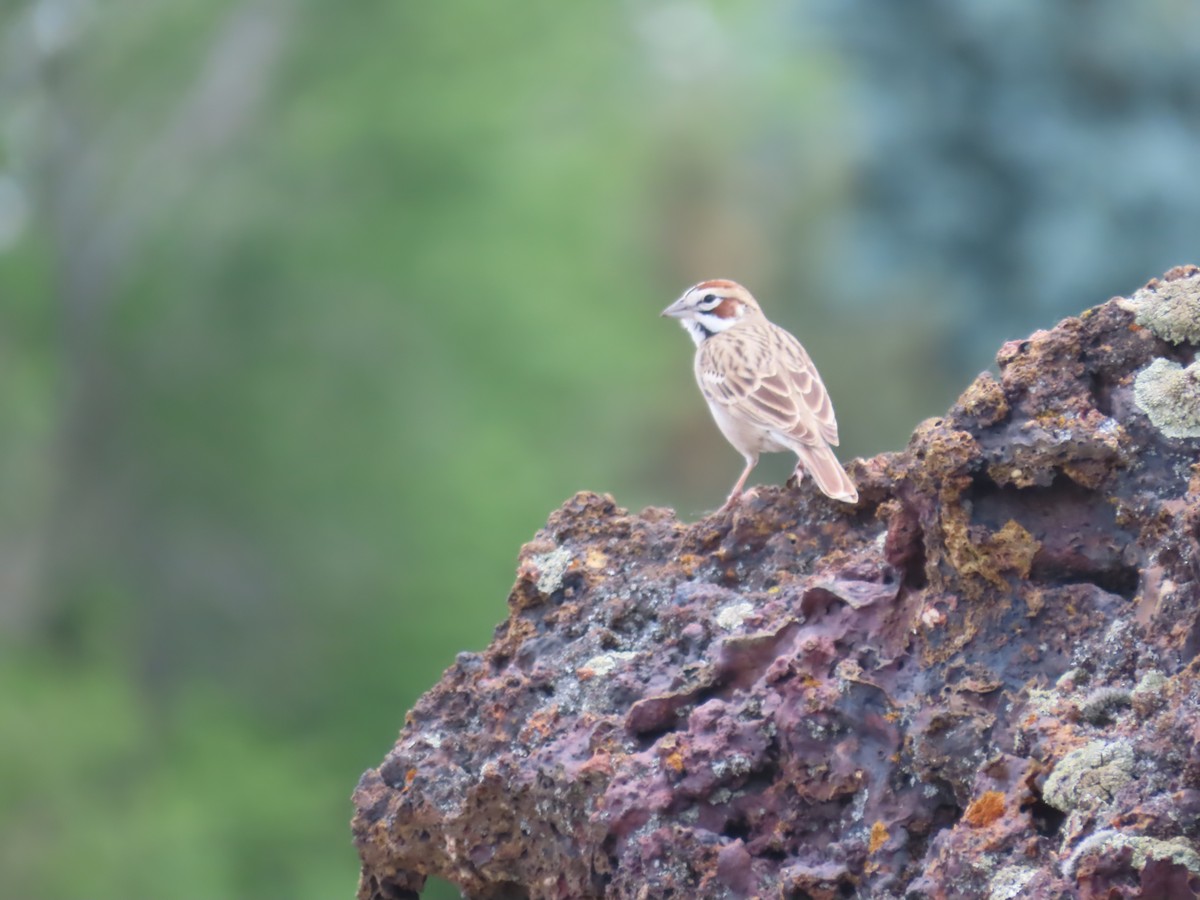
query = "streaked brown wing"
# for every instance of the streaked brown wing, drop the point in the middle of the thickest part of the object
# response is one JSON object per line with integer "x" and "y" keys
{"x": 762, "y": 374}
{"x": 808, "y": 389}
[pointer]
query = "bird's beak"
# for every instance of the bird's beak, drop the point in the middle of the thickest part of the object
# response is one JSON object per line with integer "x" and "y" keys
{"x": 676, "y": 310}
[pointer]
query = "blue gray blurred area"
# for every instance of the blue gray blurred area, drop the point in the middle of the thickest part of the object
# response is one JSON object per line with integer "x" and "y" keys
{"x": 309, "y": 315}
{"x": 1017, "y": 161}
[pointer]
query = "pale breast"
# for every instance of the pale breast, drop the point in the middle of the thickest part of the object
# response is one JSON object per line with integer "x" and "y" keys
{"x": 746, "y": 437}
{"x": 758, "y": 378}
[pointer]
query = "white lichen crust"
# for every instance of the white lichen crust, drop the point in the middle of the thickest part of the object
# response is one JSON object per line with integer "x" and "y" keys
{"x": 1170, "y": 309}
{"x": 1176, "y": 850}
{"x": 1169, "y": 395}
{"x": 1090, "y": 776}
{"x": 551, "y": 568}
{"x": 1009, "y": 883}
{"x": 732, "y": 616}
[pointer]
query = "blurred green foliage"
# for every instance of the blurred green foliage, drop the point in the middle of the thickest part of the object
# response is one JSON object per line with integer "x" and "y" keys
{"x": 309, "y": 315}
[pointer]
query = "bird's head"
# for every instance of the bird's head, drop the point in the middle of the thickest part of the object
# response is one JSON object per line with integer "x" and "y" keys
{"x": 711, "y": 307}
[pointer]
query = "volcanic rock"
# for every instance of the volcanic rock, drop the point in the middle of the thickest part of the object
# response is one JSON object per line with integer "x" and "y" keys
{"x": 980, "y": 681}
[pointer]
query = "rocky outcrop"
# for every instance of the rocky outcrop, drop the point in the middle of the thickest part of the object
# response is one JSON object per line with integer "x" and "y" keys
{"x": 979, "y": 682}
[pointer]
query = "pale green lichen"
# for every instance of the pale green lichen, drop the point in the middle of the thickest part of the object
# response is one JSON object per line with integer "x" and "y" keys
{"x": 1148, "y": 695}
{"x": 1010, "y": 882}
{"x": 1170, "y": 309}
{"x": 605, "y": 663}
{"x": 1144, "y": 849}
{"x": 550, "y": 568}
{"x": 1153, "y": 682}
{"x": 1090, "y": 776}
{"x": 1170, "y": 395}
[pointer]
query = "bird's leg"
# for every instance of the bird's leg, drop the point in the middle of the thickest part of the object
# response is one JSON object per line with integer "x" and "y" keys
{"x": 751, "y": 462}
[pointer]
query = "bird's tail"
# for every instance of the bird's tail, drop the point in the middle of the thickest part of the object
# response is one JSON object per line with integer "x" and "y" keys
{"x": 818, "y": 460}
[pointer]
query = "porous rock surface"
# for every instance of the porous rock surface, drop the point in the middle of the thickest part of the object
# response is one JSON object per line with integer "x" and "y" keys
{"x": 981, "y": 681}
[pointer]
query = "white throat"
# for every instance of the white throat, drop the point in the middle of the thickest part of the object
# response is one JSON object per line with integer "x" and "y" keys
{"x": 695, "y": 331}
{"x": 702, "y": 326}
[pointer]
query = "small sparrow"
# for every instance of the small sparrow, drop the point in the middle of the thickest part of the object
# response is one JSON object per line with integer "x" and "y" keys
{"x": 761, "y": 386}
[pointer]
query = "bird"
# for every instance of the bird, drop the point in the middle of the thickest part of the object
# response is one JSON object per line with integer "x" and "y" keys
{"x": 761, "y": 386}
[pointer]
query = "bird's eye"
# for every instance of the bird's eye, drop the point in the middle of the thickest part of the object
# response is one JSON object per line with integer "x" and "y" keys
{"x": 710, "y": 300}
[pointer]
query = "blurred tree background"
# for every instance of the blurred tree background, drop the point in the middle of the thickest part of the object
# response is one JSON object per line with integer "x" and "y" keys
{"x": 310, "y": 313}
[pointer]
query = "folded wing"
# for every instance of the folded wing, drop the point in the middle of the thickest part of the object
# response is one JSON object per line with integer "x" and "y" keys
{"x": 767, "y": 378}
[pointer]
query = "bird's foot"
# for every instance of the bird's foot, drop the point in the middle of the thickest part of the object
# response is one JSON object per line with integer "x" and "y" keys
{"x": 738, "y": 496}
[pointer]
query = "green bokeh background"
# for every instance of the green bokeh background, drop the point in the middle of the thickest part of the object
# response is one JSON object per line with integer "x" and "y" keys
{"x": 311, "y": 313}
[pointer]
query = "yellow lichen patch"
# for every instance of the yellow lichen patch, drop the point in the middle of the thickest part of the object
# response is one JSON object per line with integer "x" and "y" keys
{"x": 984, "y": 400}
{"x": 879, "y": 836}
{"x": 1035, "y": 601}
{"x": 595, "y": 559}
{"x": 948, "y": 457}
{"x": 1089, "y": 474}
{"x": 519, "y": 630}
{"x": 1014, "y": 548}
{"x": 674, "y": 760}
{"x": 670, "y": 753}
{"x": 977, "y": 681}
{"x": 541, "y": 723}
{"x": 1006, "y": 473}
{"x": 983, "y": 562}
{"x": 991, "y": 556}
{"x": 985, "y": 810}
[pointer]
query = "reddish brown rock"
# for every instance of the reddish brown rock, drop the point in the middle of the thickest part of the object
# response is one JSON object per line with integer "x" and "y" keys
{"x": 980, "y": 681}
